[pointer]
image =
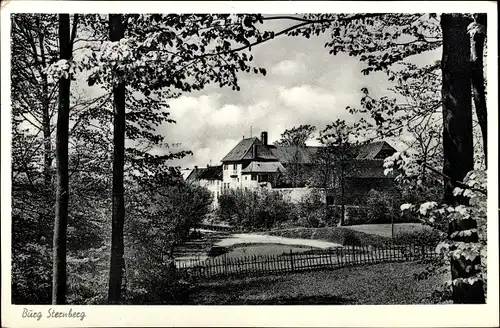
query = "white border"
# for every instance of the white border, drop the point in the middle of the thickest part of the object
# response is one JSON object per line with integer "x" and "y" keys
{"x": 277, "y": 316}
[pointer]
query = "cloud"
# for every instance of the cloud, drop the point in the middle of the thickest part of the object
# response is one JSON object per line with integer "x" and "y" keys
{"x": 307, "y": 98}
{"x": 228, "y": 114}
{"x": 288, "y": 68}
{"x": 314, "y": 105}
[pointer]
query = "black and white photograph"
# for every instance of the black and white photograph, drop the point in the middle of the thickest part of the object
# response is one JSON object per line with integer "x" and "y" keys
{"x": 237, "y": 158}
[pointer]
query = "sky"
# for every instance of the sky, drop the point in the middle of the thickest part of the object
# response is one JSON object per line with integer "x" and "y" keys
{"x": 304, "y": 84}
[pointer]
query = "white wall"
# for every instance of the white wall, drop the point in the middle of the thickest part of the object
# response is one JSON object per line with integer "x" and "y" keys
{"x": 231, "y": 182}
{"x": 247, "y": 182}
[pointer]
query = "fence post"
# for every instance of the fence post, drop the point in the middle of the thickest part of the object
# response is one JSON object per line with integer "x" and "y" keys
{"x": 291, "y": 260}
{"x": 353, "y": 255}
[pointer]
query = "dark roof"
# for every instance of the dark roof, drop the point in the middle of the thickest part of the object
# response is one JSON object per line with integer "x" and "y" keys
{"x": 294, "y": 154}
{"x": 305, "y": 155}
{"x": 371, "y": 150}
{"x": 263, "y": 167}
{"x": 206, "y": 173}
{"x": 243, "y": 151}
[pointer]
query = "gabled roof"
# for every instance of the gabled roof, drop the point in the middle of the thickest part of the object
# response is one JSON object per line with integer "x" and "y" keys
{"x": 206, "y": 173}
{"x": 371, "y": 150}
{"x": 243, "y": 151}
{"x": 263, "y": 167}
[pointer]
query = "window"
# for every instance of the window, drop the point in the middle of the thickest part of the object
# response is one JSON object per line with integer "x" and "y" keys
{"x": 263, "y": 178}
{"x": 246, "y": 177}
{"x": 254, "y": 176}
{"x": 235, "y": 166}
{"x": 329, "y": 200}
{"x": 225, "y": 166}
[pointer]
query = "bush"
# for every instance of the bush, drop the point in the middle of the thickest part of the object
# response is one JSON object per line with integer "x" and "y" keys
{"x": 88, "y": 273}
{"x": 420, "y": 237}
{"x": 379, "y": 208}
{"x": 31, "y": 274}
{"x": 251, "y": 210}
{"x": 351, "y": 238}
{"x": 155, "y": 281}
{"x": 314, "y": 213}
{"x": 160, "y": 219}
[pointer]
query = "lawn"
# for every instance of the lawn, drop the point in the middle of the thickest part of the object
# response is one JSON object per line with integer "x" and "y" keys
{"x": 385, "y": 230}
{"x": 339, "y": 235}
{"x": 367, "y": 234}
{"x": 388, "y": 283}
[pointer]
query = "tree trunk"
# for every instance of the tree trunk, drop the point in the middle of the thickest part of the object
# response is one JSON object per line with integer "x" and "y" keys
{"x": 456, "y": 95}
{"x": 116, "y": 32}
{"x": 477, "y": 76}
{"x": 61, "y": 218}
{"x": 458, "y": 142}
{"x": 342, "y": 195}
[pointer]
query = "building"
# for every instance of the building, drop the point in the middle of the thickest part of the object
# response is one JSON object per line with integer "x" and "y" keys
{"x": 250, "y": 164}
{"x": 253, "y": 163}
{"x": 209, "y": 177}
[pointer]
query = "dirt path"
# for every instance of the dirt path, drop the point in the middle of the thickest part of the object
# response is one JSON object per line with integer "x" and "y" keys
{"x": 250, "y": 238}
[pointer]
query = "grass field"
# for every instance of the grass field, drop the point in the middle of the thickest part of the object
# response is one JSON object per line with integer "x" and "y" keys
{"x": 389, "y": 283}
{"x": 368, "y": 234}
{"x": 385, "y": 230}
{"x": 340, "y": 235}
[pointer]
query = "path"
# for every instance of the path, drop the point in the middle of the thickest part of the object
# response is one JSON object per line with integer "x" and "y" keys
{"x": 251, "y": 238}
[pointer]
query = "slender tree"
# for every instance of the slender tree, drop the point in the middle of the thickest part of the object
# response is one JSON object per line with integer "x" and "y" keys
{"x": 116, "y": 32}
{"x": 339, "y": 152}
{"x": 477, "y": 31}
{"x": 295, "y": 139}
{"x": 62, "y": 190}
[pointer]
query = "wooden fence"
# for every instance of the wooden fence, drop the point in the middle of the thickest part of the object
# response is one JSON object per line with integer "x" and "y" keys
{"x": 223, "y": 266}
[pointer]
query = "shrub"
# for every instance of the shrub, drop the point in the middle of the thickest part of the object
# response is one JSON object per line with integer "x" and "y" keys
{"x": 351, "y": 238}
{"x": 160, "y": 219}
{"x": 88, "y": 273}
{"x": 379, "y": 208}
{"x": 312, "y": 211}
{"x": 31, "y": 274}
{"x": 420, "y": 237}
{"x": 154, "y": 280}
{"x": 251, "y": 210}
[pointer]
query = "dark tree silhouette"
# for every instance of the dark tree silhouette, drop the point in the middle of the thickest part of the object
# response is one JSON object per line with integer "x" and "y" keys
{"x": 116, "y": 32}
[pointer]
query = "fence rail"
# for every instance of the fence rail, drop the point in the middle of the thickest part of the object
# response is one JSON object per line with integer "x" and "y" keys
{"x": 294, "y": 262}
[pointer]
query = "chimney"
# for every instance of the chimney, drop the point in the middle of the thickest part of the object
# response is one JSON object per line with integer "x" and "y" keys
{"x": 254, "y": 151}
{"x": 195, "y": 167}
{"x": 263, "y": 138}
